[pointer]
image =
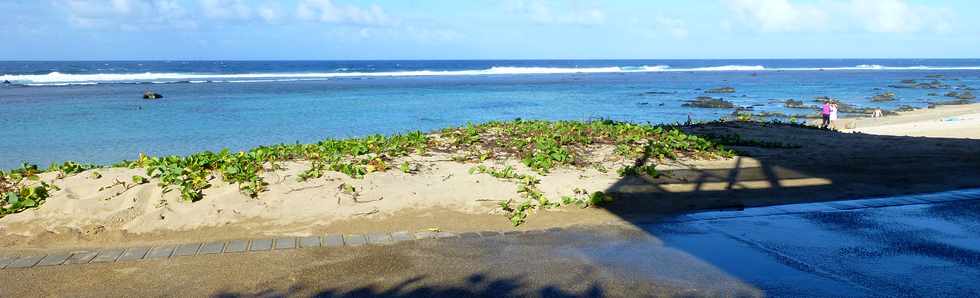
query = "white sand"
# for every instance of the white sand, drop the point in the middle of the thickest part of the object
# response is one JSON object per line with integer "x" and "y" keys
{"x": 959, "y": 121}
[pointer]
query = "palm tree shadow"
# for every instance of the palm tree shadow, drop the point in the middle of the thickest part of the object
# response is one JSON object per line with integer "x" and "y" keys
{"x": 475, "y": 285}
{"x": 787, "y": 164}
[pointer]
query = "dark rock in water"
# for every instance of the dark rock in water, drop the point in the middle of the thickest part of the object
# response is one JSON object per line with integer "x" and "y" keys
{"x": 821, "y": 98}
{"x": 935, "y": 76}
{"x": 720, "y": 90}
{"x": 660, "y": 105}
{"x": 951, "y": 102}
{"x": 887, "y": 96}
{"x": 795, "y": 104}
{"x": 643, "y": 103}
{"x": 966, "y": 95}
{"x": 708, "y": 102}
{"x": 657, "y": 93}
{"x": 151, "y": 95}
{"x": 951, "y": 94}
{"x": 910, "y": 84}
{"x": 876, "y": 89}
{"x": 6, "y": 82}
{"x": 933, "y": 94}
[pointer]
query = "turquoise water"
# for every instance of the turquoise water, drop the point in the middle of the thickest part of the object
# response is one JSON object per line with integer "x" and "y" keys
{"x": 93, "y": 111}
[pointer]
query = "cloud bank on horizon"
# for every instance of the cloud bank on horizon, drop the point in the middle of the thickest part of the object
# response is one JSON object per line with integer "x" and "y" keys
{"x": 485, "y": 29}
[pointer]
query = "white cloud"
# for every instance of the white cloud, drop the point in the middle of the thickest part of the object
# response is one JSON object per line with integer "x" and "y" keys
{"x": 880, "y": 16}
{"x": 327, "y": 11}
{"x": 226, "y": 9}
{"x": 129, "y": 15}
{"x": 896, "y": 16}
{"x": 778, "y": 15}
{"x": 270, "y": 13}
{"x": 675, "y": 27}
{"x": 559, "y": 13}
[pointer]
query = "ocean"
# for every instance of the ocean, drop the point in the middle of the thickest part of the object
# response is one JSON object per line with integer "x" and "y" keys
{"x": 93, "y": 111}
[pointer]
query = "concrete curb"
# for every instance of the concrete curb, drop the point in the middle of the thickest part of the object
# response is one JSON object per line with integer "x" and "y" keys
{"x": 163, "y": 252}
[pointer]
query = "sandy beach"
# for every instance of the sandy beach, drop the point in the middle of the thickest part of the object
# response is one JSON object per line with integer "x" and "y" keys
{"x": 920, "y": 151}
{"x": 950, "y": 121}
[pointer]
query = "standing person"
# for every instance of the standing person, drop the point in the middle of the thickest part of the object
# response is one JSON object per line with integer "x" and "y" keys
{"x": 825, "y": 112}
{"x": 833, "y": 112}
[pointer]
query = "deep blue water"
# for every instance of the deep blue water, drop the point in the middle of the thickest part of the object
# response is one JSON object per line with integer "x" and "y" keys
{"x": 93, "y": 112}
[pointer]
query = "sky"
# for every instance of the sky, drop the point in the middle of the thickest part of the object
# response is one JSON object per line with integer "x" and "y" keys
{"x": 485, "y": 29}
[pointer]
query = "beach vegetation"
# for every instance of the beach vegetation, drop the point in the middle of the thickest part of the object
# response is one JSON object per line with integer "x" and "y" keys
{"x": 539, "y": 145}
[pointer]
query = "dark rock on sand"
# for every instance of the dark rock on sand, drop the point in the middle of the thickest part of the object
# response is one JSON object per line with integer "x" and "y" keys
{"x": 887, "y": 96}
{"x": 720, "y": 90}
{"x": 708, "y": 102}
{"x": 905, "y": 108}
{"x": 151, "y": 95}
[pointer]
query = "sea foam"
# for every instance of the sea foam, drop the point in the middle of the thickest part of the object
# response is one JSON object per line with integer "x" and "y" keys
{"x": 62, "y": 79}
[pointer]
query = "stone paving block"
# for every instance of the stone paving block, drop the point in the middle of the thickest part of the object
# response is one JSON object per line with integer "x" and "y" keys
{"x": 308, "y": 242}
{"x": 82, "y": 257}
{"x": 261, "y": 245}
{"x": 906, "y": 200}
{"x": 845, "y": 205}
{"x": 4, "y": 261}
{"x": 191, "y": 249}
{"x": 425, "y": 235}
{"x": 379, "y": 238}
{"x": 939, "y": 198}
{"x": 487, "y": 234}
{"x": 445, "y": 235}
{"x": 354, "y": 240}
{"x": 133, "y": 253}
{"x": 469, "y": 235}
{"x": 760, "y": 211}
{"x": 212, "y": 248}
{"x": 24, "y": 262}
{"x": 108, "y": 256}
{"x": 805, "y": 208}
{"x": 285, "y": 243}
{"x": 236, "y": 246}
{"x": 875, "y": 203}
{"x": 54, "y": 260}
{"x": 709, "y": 215}
{"x": 402, "y": 236}
{"x": 333, "y": 241}
{"x": 161, "y": 252}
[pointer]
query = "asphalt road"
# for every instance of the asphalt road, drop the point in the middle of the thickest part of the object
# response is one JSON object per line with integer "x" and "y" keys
{"x": 907, "y": 251}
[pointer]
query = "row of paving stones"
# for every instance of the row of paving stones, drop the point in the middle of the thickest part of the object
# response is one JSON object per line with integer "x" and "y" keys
{"x": 354, "y": 240}
{"x": 238, "y": 246}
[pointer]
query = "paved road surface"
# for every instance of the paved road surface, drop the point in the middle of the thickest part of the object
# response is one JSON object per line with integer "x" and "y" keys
{"x": 906, "y": 251}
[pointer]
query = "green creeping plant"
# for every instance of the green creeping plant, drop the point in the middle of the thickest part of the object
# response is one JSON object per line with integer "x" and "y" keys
{"x": 539, "y": 145}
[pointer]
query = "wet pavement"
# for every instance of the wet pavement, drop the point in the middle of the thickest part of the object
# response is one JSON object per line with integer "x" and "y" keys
{"x": 900, "y": 251}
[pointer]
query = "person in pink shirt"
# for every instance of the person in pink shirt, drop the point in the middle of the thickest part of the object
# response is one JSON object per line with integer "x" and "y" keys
{"x": 826, "y": 110}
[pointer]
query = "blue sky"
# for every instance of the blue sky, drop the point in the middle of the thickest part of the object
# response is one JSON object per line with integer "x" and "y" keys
{"x": 486, "y": 29}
